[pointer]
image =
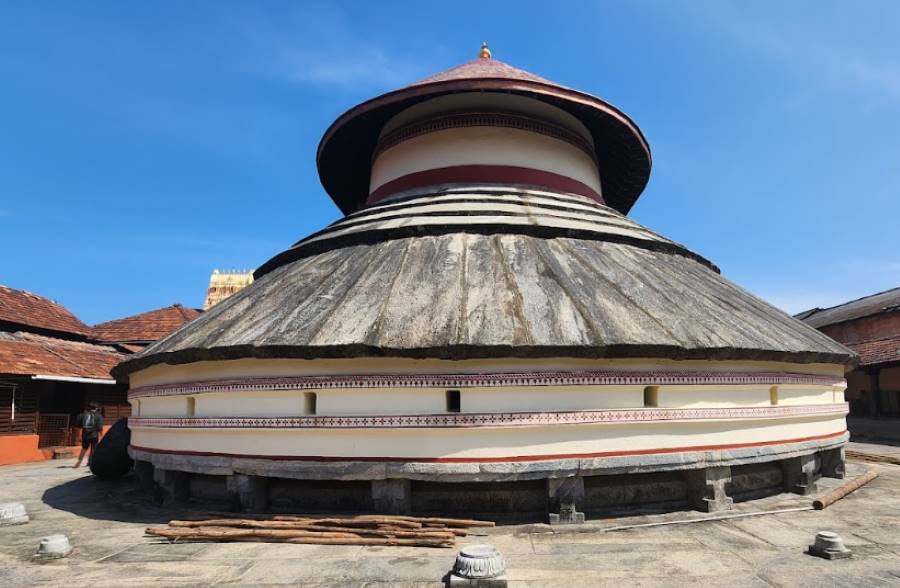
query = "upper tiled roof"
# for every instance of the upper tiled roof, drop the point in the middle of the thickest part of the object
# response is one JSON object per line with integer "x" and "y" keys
{"x": 30, "y": 354}
{"x": 482, "y": 69}
{"x": 879, "y": 351}
{"x": 27, "y": 309}
{"x": 145, "y": 327}
{"x": 887, "y": 301}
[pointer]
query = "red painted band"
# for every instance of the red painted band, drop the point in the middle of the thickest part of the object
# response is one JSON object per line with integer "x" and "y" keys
{"x": 484, "y": 174}
{"x": 322, "y": 458}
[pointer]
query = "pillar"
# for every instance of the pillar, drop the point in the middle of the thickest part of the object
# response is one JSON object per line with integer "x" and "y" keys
{"x": 172, "y": 484}
{"x": 833, "y": 463}
{"x": 566, "y": 500}
{"x": 800, "y": 474}
{"x": 249, "y": 493}
{"x": 391, "y": 496}
{"x": 144, "y": 472}
{"x": 706, "y": 489}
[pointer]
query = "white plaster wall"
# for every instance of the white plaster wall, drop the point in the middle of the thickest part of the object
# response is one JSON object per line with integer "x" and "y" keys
{"x": 485, "y": 442}
{"x": 164, "y": 406}
{"x": 250, "y": 368}
{"x": 484, "y": 146}
{"x": 797, "y": 395}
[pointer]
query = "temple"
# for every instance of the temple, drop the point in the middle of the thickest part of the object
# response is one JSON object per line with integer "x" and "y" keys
{"x": 486, "y": 331}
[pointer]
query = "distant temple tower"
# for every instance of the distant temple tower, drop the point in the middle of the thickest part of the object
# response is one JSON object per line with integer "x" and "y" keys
{"x": 223, "y": 284}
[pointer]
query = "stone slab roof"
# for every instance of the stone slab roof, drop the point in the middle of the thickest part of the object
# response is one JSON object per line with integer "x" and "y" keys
{"x": 457, "y": 291}
{"x": 29, "y": 354}
{"x": 145, "y": 327}
{"x": 30, "y": 310}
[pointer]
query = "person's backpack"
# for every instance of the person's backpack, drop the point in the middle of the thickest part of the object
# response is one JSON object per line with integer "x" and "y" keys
{"x": 91, "y": 422}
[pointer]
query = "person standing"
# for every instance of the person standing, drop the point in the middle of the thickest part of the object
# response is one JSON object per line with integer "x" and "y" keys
{"x": 91, "y": 423}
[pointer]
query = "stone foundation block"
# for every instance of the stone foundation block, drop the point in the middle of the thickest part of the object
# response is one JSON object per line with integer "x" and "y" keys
{"x": 706, "y": 489}
{"x": 391, "y": 496}
{"x": 173, "y": 485}
{"x": 144, "y": 472}
{"x": 833, "y": 465}
{"x": 566, "y": 500}
{"x": 249, "y": 493}
{"x": 800, "y": 474}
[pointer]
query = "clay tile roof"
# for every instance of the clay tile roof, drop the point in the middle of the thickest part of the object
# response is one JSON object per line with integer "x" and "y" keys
{"x": 878, "y": 351}
{"x": 30, "y": 354}
{"x": 145, "y": 327}
{"x": 882, "y": 302}
{"x": 484, "y": 69}
{"x": 27, "y": 309}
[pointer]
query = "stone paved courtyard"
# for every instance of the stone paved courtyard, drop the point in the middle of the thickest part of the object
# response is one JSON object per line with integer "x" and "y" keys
{"x": 105, "y": 522}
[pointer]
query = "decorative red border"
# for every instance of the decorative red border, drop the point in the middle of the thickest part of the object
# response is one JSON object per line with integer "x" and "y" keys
{"x": 578, "y": 378}
{"x": 492, "y": 419}
{"x": 484, "y": 174}
{"x": 516, "y": 458}
{"x": 468, "y": 119}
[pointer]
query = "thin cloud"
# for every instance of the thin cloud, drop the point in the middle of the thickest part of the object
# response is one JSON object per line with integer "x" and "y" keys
{"x": 319, "y": 45}
{"x": 840, "y": 66}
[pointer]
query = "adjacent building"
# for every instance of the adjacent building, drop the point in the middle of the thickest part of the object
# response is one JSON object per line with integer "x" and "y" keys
{"x": 223, "y": 284}
{"x": 870, "y": 326}
{"x": 52, "y": 365}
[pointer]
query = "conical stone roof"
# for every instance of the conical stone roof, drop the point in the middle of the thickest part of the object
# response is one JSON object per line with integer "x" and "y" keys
{"x": 480, "y": 272}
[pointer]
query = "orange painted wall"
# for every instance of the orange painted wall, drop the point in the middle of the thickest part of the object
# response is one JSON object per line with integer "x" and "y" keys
{"x": 19, "y": 449}
{"x": 24, "y": 448}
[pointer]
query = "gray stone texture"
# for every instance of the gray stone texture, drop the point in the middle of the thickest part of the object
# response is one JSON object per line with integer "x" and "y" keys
{"x": 391, "y": 496}
{"x": 174, "y": 485}
{"x": 706, "y": 489}
{"x": 566, "y": 500}
{"x": 800, "y": 474}
{"x": 249, "y": 493}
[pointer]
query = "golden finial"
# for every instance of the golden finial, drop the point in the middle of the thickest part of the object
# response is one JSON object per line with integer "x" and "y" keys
{"x": 485, "y": 53}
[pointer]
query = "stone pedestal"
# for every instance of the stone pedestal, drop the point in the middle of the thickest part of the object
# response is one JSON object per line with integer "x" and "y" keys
{"x": 566, "y": 500}
{"x": 391, "y": 496}
{"x": 249, "y": 493}
{"x": 144, "y": 472}
{"x": 173, "y": 485}
{"x": 833, "y": 463}
{"x": 800, "y": 474}
{"x": 706, "y": 489}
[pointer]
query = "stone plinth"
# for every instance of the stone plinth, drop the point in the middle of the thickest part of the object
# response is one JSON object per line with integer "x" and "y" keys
{"x": 566, "y": 500}
{"x": 706, "y": 489}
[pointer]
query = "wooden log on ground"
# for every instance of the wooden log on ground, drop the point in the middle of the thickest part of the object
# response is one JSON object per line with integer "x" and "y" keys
{"x": 843, "y": 490}
{"x": 282, "y": 536}
{"x": 222, "y": 531}
{"x": 449, "y": 522}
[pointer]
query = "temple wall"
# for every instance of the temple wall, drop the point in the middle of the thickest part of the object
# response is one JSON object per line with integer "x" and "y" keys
{"x": 381, "y": 401}
{"x": 251, "y": 368}
{"x": 484, "y": 146}
{"x": 485, "y": 442}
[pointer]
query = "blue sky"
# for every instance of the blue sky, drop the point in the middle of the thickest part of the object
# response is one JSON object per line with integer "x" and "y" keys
{"x": 144, "y": 144}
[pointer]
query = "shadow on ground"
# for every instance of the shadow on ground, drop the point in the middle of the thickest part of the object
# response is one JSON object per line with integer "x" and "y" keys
{"x": 110, "y": 500}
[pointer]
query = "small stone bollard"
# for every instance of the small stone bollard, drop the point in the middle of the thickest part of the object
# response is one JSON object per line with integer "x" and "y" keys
{"x": 53, "y": 547}
{"x": 829, "y": 546}
{"x": 13, "y": 513}
{"x": 479, "y": 566}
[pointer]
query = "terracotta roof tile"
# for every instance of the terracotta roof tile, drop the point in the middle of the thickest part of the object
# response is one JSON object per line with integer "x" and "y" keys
{"x": 484, "y": 68}
{"x": 877, "y": 351}
{"x": 145, "y": 327}
{"x": 24, "y": 308}
{"x": 29, "y": 354}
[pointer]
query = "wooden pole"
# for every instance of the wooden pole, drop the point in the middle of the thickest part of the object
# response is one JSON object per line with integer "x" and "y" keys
{"x": 843, "y": 490}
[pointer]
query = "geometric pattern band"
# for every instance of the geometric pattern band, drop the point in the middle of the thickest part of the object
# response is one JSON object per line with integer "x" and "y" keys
{"x": 574, "y": 378}
{"x": 493, "y": 419}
